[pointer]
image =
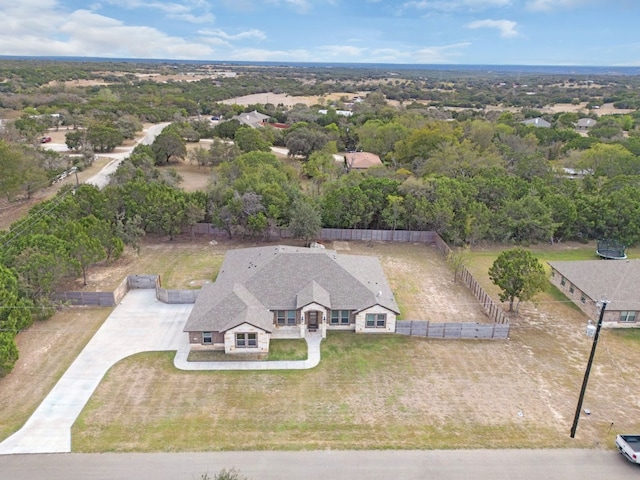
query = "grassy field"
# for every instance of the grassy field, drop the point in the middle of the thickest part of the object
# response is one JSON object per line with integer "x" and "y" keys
{"x": 368, "y": 391}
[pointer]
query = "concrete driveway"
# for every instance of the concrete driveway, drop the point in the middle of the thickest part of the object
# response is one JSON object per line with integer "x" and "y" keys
{"x": 138, "y": 324}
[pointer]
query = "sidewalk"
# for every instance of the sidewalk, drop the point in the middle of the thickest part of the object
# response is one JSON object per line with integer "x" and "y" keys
{"x": 138, "y": 324}
{"x": 313, "y": 359}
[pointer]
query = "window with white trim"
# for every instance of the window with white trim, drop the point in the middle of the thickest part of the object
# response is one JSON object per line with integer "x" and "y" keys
{"x": 246, "y": 340}
{"x": 376, "y": 320}
{"x": 207, "y": 338}
{"x": 286, "y": 317}
{"x": 627, "y": 316}
{"x": 340, "y": 317}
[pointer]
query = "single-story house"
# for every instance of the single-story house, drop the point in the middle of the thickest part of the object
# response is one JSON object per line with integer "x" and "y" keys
{"x": 253, "y": 119}
{"x": 586, "y": 123}
{"x": 537, "y": 122}
{"x": 588, "y": 282}
{"x": 361, "y": 160}
{"x": 284, "y": 292}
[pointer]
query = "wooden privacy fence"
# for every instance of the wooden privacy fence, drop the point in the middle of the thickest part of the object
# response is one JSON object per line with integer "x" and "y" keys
{"x": 452, "y": 330}
{"x": 491, "y": 308}
{"x": 111, "y": 299}
{"x": 331, "y": 234}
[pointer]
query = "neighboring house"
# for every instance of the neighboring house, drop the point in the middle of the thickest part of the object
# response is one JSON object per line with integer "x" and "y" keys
{"x": 284, "y": 292}
{"x": 589, "y": 281}
{"x": 253, "y": 119}
{"x": 537, "y": 122}
{"x": 361, "y": 160}
{"x": 586, "y": 123}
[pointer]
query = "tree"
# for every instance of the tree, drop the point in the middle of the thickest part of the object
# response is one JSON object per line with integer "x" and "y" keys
{"x": 83, "y": 248}
{"x": 304, "y": 141}
{"x": 168, "y": 145}
{"x": 320, "y": 168}
{"x": 74, "y": 139}
{"x": 457, "y": 260}
{"x": 104, "y": 137}
{"x": 518, "y": 274}
{"x": 251, "y": 139}
{"x": 306, "y": 220}
{"x": 222, "y": 151}
{"x": 8, "y": 352}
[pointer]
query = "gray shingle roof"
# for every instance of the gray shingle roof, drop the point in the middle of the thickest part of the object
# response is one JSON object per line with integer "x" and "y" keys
{"x": 256, "y": 281}
{"x": 617, "y": 280}
{"x": 537, "y": 122}
{"x": 586, "y": 122}
{"x": 252, "y": 119}
{"x": 313, "y": 292}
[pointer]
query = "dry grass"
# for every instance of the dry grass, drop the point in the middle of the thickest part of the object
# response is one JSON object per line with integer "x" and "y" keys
{"x": 46, "y": 351}
{"x": 384, "y": 392}
{"x": 368, "y": 391}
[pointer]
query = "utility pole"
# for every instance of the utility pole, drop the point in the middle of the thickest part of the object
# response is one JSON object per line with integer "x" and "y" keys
{"x": 574, "y": 427}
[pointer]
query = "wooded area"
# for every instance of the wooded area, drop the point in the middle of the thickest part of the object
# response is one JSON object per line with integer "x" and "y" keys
{"x": 456, "y": 158}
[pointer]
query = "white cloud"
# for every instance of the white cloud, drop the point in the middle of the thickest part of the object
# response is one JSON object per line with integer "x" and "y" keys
{"x": 247, "y": 34}
{"x": 548, "y": 5}
{"x": 258, "y": 55}
{"x": 342, "y": 52}
{"x": 192, "y": 11}
{"x": 84, "y": 33}
{"x": 439, "y": 54}
{"x": 300, "y": 6}
{"x": 455, "y": 5}
{"x": 507, "y": 28}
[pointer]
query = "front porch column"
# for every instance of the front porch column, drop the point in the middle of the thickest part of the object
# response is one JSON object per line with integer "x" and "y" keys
{"x": 303, "y": 330}
{"x": 323, "y": 327}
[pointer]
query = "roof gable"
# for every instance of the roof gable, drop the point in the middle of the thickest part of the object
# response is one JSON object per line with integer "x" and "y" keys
{"x": 312, "y": 292}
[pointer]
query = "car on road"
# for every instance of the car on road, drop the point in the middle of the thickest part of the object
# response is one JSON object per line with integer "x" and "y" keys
{"x": 45, "y": 139}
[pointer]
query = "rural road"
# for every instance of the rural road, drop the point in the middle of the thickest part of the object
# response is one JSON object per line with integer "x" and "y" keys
{"x": 327, "y": 464}
{"x": 101, "y": 179}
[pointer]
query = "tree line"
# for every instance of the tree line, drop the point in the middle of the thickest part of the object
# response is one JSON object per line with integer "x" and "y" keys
{"x": 471, "y": 178}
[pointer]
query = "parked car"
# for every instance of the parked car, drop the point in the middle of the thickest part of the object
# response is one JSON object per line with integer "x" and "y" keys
{"x": 629, "y": 446}
{"x": 45, "y": 139}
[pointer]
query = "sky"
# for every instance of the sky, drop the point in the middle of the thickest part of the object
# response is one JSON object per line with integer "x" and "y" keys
{"x": 464, "y": 32}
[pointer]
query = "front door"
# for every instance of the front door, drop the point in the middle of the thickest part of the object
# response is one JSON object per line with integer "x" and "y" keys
{"x": 312, "y": 321}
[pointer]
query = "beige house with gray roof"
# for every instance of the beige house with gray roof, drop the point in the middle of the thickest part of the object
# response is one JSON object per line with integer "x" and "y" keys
{"x": 588, "y": 282}
{"x": 284, "y": 292}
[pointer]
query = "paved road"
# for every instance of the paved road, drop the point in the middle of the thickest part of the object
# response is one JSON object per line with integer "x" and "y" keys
{"x": 328, "y": 465}
{"x": 101, "y": 179}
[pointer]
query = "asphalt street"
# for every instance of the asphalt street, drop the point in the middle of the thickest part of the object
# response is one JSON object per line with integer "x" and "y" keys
{"x": 327, "y": 465}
